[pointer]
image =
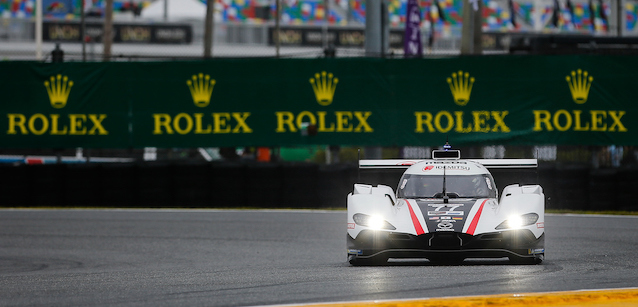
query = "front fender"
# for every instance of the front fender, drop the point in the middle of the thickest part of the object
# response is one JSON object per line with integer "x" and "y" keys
{"x": 379, "y": 200}
{"x": 519, "y": 200}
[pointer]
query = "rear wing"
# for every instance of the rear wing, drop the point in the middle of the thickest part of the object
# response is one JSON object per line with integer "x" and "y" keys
{"x": 488, "y": 163}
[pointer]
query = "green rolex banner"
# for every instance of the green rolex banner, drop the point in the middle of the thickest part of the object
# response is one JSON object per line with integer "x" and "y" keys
{"x": 61, "y": 106}
{"x": 584, "y": 100}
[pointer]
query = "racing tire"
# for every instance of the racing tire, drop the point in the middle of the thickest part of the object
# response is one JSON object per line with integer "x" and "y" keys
{"x": 537, "y": 259}
{"x": 372, "y": 261}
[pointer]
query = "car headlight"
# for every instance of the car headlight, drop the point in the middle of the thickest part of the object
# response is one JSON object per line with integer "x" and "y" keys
{"x": 518, "y": 221}
{"x": 372, "y": 221}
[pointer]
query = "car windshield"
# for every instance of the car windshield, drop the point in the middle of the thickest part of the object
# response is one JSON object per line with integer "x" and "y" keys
{"x": 429, "y": 186}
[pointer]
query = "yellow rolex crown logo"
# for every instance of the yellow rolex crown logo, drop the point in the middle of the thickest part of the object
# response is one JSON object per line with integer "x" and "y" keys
{"x": 58, "y": 89}
{"x": 579, "y": 84}
{"x": 201, "y": 87}
{"x": 324, "y": 85}
{"x": 461, "y": 87}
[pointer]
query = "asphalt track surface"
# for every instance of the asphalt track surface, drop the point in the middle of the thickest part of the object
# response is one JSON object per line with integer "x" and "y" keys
{"x": 241, "y": 258}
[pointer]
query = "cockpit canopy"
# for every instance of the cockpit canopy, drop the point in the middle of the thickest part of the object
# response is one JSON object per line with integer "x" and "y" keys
{"x": 413, "y": 186}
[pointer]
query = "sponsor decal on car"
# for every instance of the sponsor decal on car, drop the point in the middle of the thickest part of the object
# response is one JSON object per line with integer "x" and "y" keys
{"x": 440, "y": 206}
{"x": 456, "y": 167}
{"x": 351, "y": 225}
{"x": 447, "y": 167}
{"x": 407, "y": 163}
{"x": 445, "y": 225}
{"x": 439, "y": 209}
{"x": 445, "y": 213}
{"x": 355, "y": 252}
{"x": 536, "y": 251}
{"x": 540, "y": 225}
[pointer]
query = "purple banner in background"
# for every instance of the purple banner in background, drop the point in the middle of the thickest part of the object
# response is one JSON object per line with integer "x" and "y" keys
{"x": 412, "y": 41}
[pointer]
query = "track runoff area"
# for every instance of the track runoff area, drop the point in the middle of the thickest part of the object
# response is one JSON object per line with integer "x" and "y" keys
{"x": 600, "y": 298}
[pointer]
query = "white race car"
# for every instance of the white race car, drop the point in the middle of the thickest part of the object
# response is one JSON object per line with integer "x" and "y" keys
{"x": 446, "y": 209}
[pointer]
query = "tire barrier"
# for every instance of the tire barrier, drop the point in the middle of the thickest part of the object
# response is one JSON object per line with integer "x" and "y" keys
{"x": 602, "y": 187}
{"x": 627, "y": 181}
{"x": 298, "y": 182}
{"x": 249, "y": 184}
{"x": 571, "y": 185}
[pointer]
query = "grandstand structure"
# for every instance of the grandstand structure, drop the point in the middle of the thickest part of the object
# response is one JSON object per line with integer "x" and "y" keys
{"x": 244, "y": 27}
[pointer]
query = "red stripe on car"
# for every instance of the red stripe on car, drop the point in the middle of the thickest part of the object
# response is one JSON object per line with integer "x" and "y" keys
{"x": 415, "y": 220}
{"x": 475, "y": 220}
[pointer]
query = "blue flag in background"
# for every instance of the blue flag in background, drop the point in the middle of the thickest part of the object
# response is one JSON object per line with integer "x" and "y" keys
{"x": 412, "y": 40}
{"x": 57, "y": 8}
